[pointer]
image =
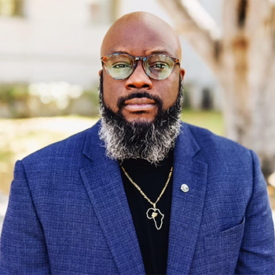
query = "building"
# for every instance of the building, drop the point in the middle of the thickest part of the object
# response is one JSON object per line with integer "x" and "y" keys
{"x": 53, "y": 41}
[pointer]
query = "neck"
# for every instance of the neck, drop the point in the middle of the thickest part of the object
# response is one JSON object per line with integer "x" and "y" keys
{"x": 143, "y": 164}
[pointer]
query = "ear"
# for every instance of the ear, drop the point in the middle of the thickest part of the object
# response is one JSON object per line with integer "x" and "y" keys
{"x": 182, "y": 73}
{"x": 100, "y": 73}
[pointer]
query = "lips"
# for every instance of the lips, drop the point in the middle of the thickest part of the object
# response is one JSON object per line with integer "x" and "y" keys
{"x": 139, "y": 104}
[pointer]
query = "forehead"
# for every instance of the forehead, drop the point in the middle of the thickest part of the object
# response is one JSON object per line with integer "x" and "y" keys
{"x": 140, "y": 39}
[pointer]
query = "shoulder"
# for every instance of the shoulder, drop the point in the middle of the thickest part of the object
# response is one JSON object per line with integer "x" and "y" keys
{"x": 229, "y": 164}
{"x": 232, "y": 169}
{"x": 63, "y": 151}
{"x": 214, "y": 146}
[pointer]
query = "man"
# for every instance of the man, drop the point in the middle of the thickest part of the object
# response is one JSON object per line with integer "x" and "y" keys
{"x": 140, "y": 192}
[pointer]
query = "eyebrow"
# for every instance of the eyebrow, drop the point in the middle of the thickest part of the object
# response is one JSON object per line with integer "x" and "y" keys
{"x": 161, "y": 52}
{"x": 120, "y": 52}
{"x": 151, "y": 52}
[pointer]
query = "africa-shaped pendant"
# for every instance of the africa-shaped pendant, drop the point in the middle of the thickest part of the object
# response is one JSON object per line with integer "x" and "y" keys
{"x": 156, "y": 215}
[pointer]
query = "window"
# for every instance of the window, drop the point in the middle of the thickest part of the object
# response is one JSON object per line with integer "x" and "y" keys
{"x": 104, "y": 11}
{"x": 11, "y": 8}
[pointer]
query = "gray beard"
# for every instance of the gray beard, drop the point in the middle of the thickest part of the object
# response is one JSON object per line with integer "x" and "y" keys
{"x": 140, "y": 140}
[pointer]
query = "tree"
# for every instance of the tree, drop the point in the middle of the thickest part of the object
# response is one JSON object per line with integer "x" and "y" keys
{"x": 242, "y": 56}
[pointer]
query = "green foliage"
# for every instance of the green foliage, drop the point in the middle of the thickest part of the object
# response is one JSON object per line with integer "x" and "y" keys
{"x": 13, "y": 91}
{"x": 211, "y": 120}
{"x": 186, "y": 98}
{"x": 13, "y": 98}
{"x": 21, "y": 100}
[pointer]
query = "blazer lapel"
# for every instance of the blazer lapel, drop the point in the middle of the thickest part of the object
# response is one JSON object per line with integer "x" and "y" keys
{"x": 104, "y": 185}
{"x": 187, "y": 207}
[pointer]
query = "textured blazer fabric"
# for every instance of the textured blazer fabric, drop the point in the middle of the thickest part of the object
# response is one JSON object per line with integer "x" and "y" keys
{"x": 68, "y": 212}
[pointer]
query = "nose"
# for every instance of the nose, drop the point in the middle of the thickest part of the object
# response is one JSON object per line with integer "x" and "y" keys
{"x": 139, "y": 79}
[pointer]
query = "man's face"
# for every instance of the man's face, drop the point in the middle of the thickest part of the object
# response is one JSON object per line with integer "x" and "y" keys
{"x": 140, "y": 39}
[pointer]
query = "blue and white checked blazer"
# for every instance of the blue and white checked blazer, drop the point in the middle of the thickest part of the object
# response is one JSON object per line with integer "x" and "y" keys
{"x": 68, "y": 212}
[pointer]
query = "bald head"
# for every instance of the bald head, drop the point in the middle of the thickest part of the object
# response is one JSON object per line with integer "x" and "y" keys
{"x": 141, "y": 34}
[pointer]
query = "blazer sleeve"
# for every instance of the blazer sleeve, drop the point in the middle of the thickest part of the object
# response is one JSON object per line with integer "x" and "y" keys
{"x": 257, "y": 253}
{"x": 22, "y": 245}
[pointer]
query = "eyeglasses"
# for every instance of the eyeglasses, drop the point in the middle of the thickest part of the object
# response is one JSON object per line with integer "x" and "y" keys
{"x": 156, "y": 66}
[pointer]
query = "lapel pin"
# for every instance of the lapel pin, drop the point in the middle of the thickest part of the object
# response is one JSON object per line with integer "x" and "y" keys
{"x": 184, "y": 188}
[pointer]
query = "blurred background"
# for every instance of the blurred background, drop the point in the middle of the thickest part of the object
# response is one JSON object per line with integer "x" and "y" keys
{"x": 50, "y": 58}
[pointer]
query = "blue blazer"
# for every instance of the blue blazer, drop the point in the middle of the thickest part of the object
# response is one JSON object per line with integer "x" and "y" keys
{"x": 68, "y": 212}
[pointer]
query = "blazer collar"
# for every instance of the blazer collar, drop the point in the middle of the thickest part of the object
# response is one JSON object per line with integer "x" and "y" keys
{"x": 104, "y": 185}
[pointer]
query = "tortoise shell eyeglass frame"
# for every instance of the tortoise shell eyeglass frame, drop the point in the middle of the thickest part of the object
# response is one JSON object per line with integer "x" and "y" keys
{"x": 144, "y": 60}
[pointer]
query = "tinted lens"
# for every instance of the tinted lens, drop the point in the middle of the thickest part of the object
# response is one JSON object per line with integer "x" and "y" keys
{"x": 159, "y": 66}
{"x": 119, "y": 66}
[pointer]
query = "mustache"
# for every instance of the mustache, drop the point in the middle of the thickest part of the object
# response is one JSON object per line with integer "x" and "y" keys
{"x": 121, "y": 100}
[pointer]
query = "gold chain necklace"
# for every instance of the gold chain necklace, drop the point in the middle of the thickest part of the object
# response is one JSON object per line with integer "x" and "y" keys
{"x": 151, "y": 213}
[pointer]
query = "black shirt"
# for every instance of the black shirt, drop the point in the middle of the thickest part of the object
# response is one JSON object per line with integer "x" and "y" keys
{"x": 151, "y": 179}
